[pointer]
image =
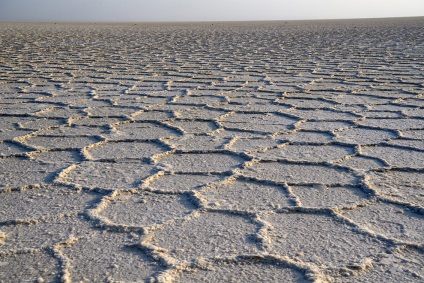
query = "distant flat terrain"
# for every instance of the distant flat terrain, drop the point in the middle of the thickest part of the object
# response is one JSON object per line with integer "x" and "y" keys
{"x": 212, "y": 152}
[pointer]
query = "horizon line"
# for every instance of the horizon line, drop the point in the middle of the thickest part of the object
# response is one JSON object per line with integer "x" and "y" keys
{"x": 207, "y": 21}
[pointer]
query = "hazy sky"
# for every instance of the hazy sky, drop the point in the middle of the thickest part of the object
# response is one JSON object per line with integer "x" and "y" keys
{"x": 203, "y": 10}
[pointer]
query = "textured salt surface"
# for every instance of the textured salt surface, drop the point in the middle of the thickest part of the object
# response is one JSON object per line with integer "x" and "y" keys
{"x": 236, "y": 152}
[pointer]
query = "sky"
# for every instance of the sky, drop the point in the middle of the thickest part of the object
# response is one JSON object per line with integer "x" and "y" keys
{"x": 203, "y": 10}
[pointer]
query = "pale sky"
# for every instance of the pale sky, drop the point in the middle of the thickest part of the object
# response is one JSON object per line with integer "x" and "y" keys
{"x": 203, "y": 10}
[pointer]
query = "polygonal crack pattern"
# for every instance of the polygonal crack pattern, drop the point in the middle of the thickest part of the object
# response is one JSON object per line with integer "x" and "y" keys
{"x": 197, "y": 153}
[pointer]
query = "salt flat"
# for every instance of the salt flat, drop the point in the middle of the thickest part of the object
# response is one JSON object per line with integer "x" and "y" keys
{"x": 212, "y": 152}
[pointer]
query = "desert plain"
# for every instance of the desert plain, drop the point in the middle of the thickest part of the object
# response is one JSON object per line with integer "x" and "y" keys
{"x": 212, "y": 152}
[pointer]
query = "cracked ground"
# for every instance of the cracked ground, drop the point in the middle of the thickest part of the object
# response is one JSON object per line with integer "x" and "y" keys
{"x": 226, "y": 152}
